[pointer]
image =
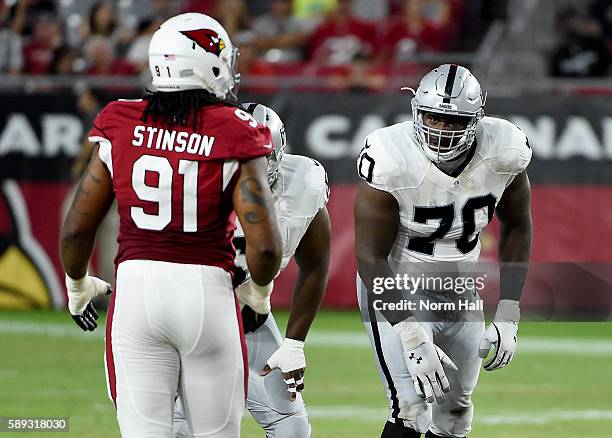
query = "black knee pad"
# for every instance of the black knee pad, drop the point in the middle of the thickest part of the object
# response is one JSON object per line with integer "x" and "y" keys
{"x": 393, "y": 430}
{"x": 459, "y": 411}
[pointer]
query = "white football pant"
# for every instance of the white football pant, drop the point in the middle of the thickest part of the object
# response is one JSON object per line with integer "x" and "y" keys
{"x": 175, "y": 329}
{"x": 267, "y": 399}
{"x": 459, "y": 339}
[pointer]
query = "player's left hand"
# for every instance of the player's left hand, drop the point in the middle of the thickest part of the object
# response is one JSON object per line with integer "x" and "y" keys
{"x": 80, "y": 294}
{"x": 292, "y": 363}
{"x": 255, "y": 296}
{"x": 501, "y": 334}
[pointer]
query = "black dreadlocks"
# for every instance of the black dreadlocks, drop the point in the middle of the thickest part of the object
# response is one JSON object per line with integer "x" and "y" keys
{"x": 180, "y": 107}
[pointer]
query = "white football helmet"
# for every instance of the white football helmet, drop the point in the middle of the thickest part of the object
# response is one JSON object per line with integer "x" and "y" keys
{"x": 452, "y": 90}
{"x": 193, "y": 51}
{"x": 268, "y": 117}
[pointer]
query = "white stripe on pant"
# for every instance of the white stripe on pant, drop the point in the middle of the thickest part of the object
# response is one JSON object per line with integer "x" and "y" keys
{"x": 175, "y": 330}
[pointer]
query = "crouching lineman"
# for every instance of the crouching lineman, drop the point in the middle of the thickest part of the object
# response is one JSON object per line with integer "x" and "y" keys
{"x": 299, "y": 185}
{"x": 431, "y": 186}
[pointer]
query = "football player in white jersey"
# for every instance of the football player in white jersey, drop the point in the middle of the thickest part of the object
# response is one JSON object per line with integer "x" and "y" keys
{"x": 431, "y": 186}
{"x": 276, "y": 366}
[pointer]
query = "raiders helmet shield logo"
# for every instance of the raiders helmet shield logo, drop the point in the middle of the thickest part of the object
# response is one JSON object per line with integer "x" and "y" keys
{"x": 207, "y": 39}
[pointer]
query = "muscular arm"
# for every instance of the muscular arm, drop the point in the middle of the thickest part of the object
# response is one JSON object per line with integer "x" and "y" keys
{"x": 514, "y": 215}
{"x": 514, "y": 250}
{"x": 93, "y": 198}
{"x": 376, "y": 226}
{"x": 312, "y": 258}
{"x": 254, "y": 205}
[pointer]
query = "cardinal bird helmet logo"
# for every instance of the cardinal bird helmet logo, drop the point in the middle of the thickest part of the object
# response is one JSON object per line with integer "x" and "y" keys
{"x": 207, "y": 39}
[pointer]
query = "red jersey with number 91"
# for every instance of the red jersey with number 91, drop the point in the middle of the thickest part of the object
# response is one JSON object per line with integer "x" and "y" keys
{"x": 174, "y": 186}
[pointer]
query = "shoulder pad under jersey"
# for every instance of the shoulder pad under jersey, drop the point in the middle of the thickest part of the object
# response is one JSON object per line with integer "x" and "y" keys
{"x": 303, "y": 185}
{"x": 391, "y": 159}
{"x": 505, "y": 145}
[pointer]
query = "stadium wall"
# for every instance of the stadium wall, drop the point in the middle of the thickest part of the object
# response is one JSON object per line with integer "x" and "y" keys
{"x": 571, "y": 174}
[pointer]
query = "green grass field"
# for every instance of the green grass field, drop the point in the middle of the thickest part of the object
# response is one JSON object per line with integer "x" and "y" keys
{"x": 560, "y": 384}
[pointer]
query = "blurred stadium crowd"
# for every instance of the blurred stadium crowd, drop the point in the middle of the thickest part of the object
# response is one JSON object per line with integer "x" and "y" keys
{"x": 352, "y": 44}
{"x": 544, "y": 63}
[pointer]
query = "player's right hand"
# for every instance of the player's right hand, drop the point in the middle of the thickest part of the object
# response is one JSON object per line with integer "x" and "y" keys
{"x": 424, "y": 361}
{"x": 255, "y": 296}
{"x": 291, "y": 360}
{"x": 80, "y": 294}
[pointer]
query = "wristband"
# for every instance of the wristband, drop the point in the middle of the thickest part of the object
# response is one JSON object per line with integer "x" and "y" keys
{"x": 508, "y": 311}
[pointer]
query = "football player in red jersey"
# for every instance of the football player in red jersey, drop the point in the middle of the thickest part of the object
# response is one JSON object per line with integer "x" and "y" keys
{"x": 179, "y": 162}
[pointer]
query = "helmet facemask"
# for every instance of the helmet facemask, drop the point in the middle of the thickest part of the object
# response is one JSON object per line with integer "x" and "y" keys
{"x": 441, "y": 145}
{"x": 235, "y": 86}
{"x": 268, "y": 117}
{"x": 446, "y": 109}
{"x": 274, "y": 159}
{"x": 231, "y": 84}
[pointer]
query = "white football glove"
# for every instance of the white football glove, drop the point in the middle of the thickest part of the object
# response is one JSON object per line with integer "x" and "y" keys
{"x": 255, "y": 296}
{"x": 292, "y": 363}
{"x": 424, "y": 361}
{"x": 80, "y": 294}
{"x": 501, "y": 333}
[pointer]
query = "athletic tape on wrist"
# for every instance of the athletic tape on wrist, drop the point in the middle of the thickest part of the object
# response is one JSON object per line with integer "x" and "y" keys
{"x": 75, "y": 284}
{"x": 411, "y": 333}
{"x": 264, "y": 290}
